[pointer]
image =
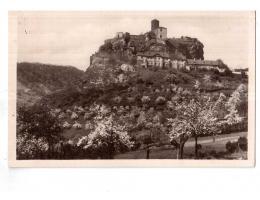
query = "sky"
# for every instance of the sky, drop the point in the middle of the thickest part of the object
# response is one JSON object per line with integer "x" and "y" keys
{"x": 70, "y": 38}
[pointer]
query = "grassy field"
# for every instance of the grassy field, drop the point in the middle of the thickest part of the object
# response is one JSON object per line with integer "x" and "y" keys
{"x": 209, "y": 150}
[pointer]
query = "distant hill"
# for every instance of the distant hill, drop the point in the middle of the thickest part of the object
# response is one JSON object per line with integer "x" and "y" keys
{"x": 35, "y": 80}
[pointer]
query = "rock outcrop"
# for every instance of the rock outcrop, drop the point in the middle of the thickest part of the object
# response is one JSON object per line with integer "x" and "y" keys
{"x": 123, "y": 50}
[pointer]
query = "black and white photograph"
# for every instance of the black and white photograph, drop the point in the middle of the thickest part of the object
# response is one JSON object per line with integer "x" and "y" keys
{"x": 132, "y": 88}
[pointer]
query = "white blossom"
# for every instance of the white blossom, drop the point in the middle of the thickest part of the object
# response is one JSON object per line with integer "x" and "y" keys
{"x": 74, "y": 115}
{"x": 77, "y": 125}
{"x": 29, "y": 147}
{"x": 66, "y": 125}
{"x": 106, "y": 131}
{"x": 145, "y": 99}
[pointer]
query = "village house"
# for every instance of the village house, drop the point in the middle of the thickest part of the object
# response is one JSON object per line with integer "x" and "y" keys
{"x": 193, "y": 64}
{"x": 158, "y": 59}
{"x": 162, "y": 60}
{"x": 240, "y": 71}
{"x": 152, "y": 59}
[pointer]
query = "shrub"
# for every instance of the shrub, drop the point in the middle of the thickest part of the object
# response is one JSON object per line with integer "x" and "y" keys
{"x": 74, "y": 116}
{"x": 199, "y": 146}
{"x": 108, "y": 47}
{"x": 77, "y": 125}
{"x": 242, "y": 142}
{"x": 117, "y": 99}
{"x": 231, "y": 146}
{"x": 66, "y": 125}
{"x": 145, "y": 99}
{"x": 160, "y": 100}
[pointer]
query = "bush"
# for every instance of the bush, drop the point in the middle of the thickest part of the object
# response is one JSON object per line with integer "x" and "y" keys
{"x": 199, "y": 146}
{"x": 145, "y": 99}
{"x": 160, "y": 100}
{"x": 231, "y": 146}
{"x": 107, "y": 47}
{"x": 242, "y": 142}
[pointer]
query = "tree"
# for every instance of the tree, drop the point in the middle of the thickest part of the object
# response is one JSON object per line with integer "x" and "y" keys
{"x": 127, "y": 37}
{"x": 30, "y": 148}
{"x": 37, "y": 127}
{"x": 107, "y": 139}
{"x": 197, "y": 85}
{"x": 237, "y": 103}
{"x": 179, "y": 134}
{"x": 194, "y": 119}
{"x": 207, "y": 79}
{"x": 237, "y": 106}
{"x": 107, "y": 47}
{"x": 153, "y": 133}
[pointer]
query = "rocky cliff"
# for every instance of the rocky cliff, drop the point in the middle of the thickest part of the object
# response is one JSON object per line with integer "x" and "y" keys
{"x": 123, "y": 50}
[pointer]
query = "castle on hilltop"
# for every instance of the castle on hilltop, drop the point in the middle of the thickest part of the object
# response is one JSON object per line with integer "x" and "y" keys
{"x": 155, "y": 49}
{"x": 160, "y": 32}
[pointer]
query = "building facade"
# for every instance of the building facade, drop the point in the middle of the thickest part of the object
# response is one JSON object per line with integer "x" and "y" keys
{"x": 119, "y": 35}
{"x": 196, "y": 64}
{"x": 158, "y": 59}
{"x": 163, "y": 61}
{"x": 241, "y": 71}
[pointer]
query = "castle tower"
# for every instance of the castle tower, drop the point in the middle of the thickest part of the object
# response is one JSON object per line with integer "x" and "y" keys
{"x": 160, "y": 32}
{"x": 154, "y": 24}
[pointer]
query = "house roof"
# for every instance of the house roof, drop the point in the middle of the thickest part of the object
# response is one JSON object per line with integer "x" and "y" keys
{"x": 161, "y": 27}
{"x": 241, "y": 70}
{"x": 154, "y": 54}
{"x": 203, "y": 62}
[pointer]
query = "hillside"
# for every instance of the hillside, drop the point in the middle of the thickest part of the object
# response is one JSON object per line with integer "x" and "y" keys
{"x": 134, "y": 95}
{"x": 35, "y": 80}
{"x": 102, "y": 85}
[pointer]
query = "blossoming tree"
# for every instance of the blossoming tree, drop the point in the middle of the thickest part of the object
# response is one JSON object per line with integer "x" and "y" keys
{"x": 237, "y": 102}
{"x": 37, "y": 131}
{"x": 107, "y": 138}
{"x": 194, "y": 119}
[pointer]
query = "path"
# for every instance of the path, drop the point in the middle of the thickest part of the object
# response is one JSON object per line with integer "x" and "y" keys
{"x": 218, "y": 138}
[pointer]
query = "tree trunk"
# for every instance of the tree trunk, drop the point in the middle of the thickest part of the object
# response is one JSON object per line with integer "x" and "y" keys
{"x": 147, "y": 153}
{"x": 178, "y": 153}
{"x": 196, "y": 147}
{"x": 181, "y": 150}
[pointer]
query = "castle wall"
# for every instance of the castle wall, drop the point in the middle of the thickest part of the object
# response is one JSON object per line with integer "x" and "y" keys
{"x": 161, "y": 32}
